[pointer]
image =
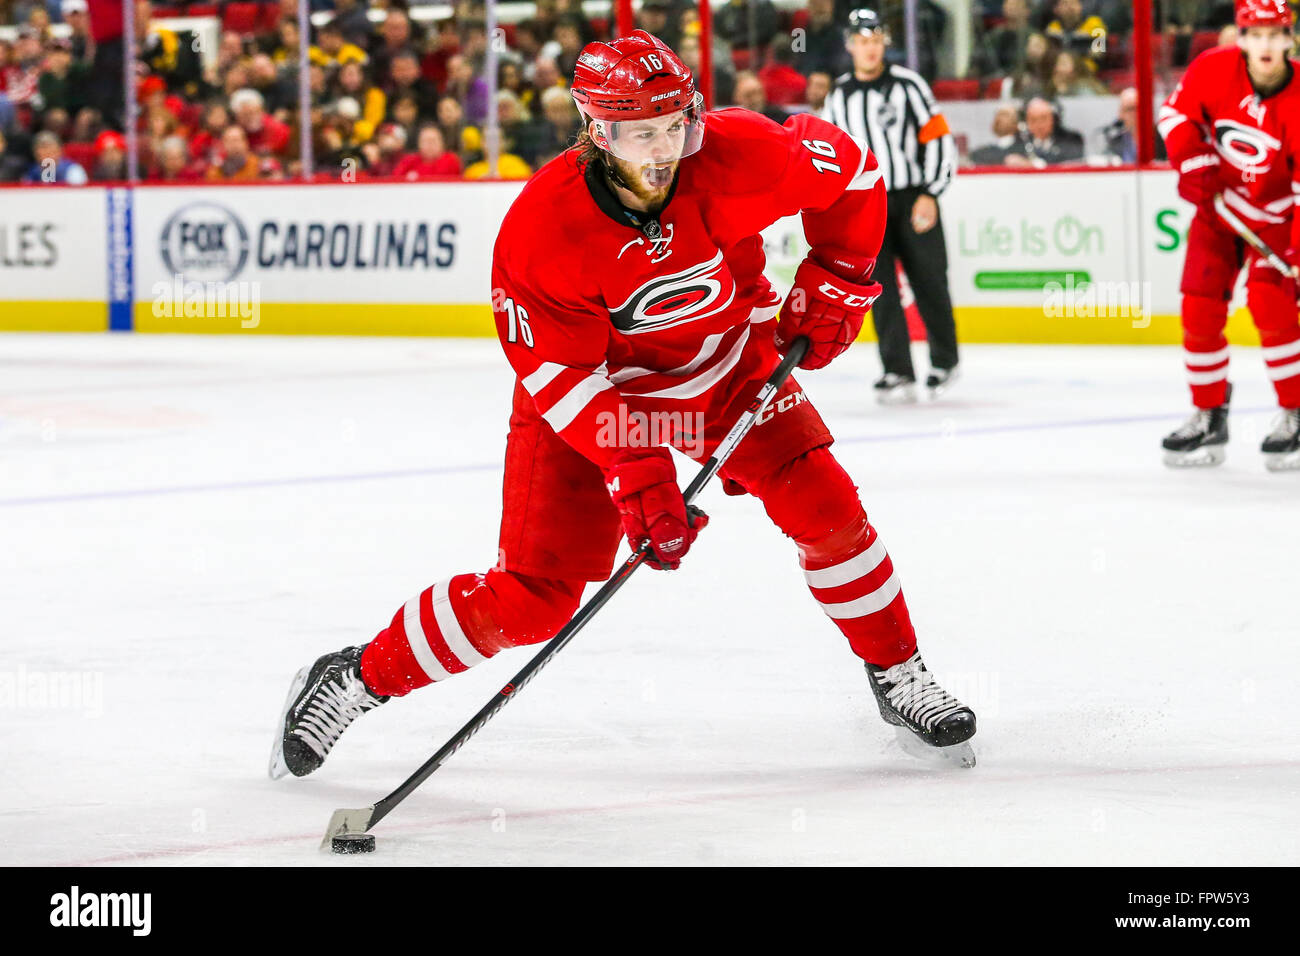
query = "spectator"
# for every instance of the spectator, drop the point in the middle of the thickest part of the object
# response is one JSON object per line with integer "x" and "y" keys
{"x": 279, "y": 95}
{"x": 1121, "y": 135}
{"x": 931, "y": 23}
{"x": 561, "y": 124}
{"x": 1006, "y": 128}
{"x": 405, "y": 79}
{"x": 750, "y": 96}
{"x": 285, "y": 51}
{"x": 383, "y": 155}
{"x": 1069, "y": 78}
{"x": 86, "y": 125}
{"x": 444, "y": 45}
{"x": 237, "y": 163}
{"x": 20, "y": 80}
{"x": 430, "y": 160}
{"x": 1005, "y": 43}
{"x": 819, "y": 87}
{"x": 783, "y": 85}
{"x": 466, "y": 87}
{"x": 206, "y": 143}
{"x": 509, "y": 166}
{"x": 333, "y": 49}
{"x": 158, "y": 47}
{"x": 569, "y": 36}
{"x": 519, "y": 133}
{"x": 747, "y": 24}
{"x": 510, "y": 76}
{"x": 823, "y": 41}
{"x": 76, "y": 14}
{"x": 266, "y": 136}
{"x": 1071, "y": 31}
{"x": 724, "y": 77}
{"x": 451, "y": 123}
{"x": 62, "y": 84}
{"x": 50, "y": 165}
{"x": 1044, "y": 140}
{"x": 110, "y": 158}
{"x": 354, "y": 24}
{"x": 105, "y": 86}
{"x": 404, "y": 111}
{"x": 337, "y": 144}
{"x": 351, "y": 81}
{"x": 395, "y": 35}
{"x": 1035, "y": 76}
{"x": 528, "y": 43}
{"x": 655, "y": 18}
{"x": 1228, "y": 35}
{"x": 12, "y": 166}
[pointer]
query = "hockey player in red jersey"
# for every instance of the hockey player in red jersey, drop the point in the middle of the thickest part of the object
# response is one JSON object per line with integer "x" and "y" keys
{"x": 628, "y": 290}
{"x": 1232, "y": 126}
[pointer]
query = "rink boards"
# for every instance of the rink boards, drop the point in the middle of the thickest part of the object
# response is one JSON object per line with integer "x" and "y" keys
{"x": 1083, "y": 257}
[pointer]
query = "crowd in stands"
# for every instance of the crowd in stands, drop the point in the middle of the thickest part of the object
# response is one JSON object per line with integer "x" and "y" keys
{"x": 396, "y": 95}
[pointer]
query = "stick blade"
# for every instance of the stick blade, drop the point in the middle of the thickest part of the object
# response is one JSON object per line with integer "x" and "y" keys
{"x": 347, "y": 821}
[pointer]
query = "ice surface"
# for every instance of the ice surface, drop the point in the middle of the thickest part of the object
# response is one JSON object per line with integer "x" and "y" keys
{"x": 188, "y": 520}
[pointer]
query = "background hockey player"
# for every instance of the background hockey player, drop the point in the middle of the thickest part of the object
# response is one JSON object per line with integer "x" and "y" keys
{"x": 1232, "y": 126}
{"x": 627, "y": 281}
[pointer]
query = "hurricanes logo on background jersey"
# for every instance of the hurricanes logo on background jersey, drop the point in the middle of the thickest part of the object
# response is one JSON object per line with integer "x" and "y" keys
{"x": 1244, "y": 146}
{"x": 702, "y": 290}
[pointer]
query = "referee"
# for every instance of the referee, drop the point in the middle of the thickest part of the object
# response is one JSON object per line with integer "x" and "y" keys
{"x": 893, "y": 110}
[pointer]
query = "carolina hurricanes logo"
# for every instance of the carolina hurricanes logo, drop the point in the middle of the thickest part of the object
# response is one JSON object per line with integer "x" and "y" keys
{"x": 1244, "y": 146}
{"x": 664, "y": 301}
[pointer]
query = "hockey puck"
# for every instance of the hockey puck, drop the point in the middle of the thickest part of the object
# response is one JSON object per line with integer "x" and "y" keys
{"x": 353, "y": 843}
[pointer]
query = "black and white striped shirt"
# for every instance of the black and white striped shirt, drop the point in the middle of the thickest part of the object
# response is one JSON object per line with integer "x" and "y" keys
{"x": 897, "y": 117}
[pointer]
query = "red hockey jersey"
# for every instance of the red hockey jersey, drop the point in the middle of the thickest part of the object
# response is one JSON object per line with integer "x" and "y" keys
{"x": 602, "y": 312}
{"x": 1256, "y": 138}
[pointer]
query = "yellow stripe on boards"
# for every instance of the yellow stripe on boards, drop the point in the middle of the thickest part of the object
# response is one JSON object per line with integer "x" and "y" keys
{"x": 329, "y": 318}
{"x": 46, "y": 316}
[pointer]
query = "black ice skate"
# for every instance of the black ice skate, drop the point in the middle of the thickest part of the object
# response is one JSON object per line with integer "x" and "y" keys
{"x": 1201, "y": 440}
{"x": 931, "y": 722}
{"x": 323, "y": 700}
{"x": 895, "y": 389}
{"x": 939, "y": 381}
{"x": 1281, "y": 446}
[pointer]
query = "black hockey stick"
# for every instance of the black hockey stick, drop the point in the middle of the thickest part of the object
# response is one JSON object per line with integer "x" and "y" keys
{"x": 1252, "y": 240}
{"x": 359, "y": 821}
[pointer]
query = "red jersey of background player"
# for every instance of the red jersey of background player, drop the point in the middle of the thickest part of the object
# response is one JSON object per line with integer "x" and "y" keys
{"x": 1256, "y": 138}
{"x": 597, "y": 306}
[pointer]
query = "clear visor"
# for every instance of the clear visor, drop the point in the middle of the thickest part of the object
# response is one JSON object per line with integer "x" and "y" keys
{"x": 1266, "y": 40}
{"x": 657, "y": 141}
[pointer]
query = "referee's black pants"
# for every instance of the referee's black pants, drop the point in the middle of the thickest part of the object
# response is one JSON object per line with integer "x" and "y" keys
{"x": 925, "y": 262}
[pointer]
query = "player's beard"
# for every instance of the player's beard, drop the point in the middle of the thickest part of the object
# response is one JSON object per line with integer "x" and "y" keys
{"x": 648, "y": 182}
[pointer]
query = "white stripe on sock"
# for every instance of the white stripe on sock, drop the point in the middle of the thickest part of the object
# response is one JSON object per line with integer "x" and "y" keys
{"x": 419, "y": 642}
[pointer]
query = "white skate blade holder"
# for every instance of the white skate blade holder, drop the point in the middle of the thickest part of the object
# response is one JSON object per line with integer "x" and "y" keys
{"x": 960, "y": 755}
{"x": 1282, "y": 461}
{"x": 1207, "y": 456}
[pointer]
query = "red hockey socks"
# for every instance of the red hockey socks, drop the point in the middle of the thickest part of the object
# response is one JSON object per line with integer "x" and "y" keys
{"x": 450, "y": 627}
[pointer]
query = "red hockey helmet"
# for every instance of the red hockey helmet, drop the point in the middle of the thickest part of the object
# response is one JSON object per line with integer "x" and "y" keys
{"x": 1264, "y": 13}
{"x": 629, "y": 86}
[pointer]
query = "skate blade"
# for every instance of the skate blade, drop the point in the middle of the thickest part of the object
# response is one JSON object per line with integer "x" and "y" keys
{"x": 960, "y": 755}
{"x": 1205, "y": 457}
{"x": 1282, "y": 461}
{"x": 898, "y": 396}
{"x": 277, "y": 767}
{"x": 347, "y": 821}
